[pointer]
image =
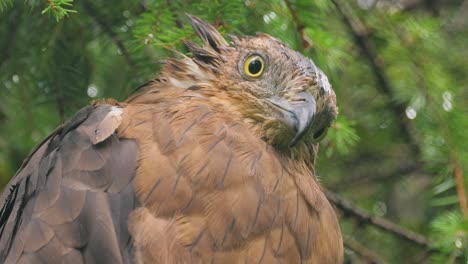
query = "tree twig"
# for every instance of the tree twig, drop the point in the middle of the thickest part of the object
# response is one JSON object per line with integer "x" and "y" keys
{"x": 460, "y": 184}
{"x": 306, "y": 42}
{"x": 354, "y": 211}
{"x": 89, "y": 8}
{"x": 420, "y": 258}
{"x": 369, "y": 256}
{"x": 359, "y": 178}
{"x": 359, "y": 33}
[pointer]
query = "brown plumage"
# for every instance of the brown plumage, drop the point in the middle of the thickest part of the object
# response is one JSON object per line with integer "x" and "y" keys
{"x": 209, "y": 163}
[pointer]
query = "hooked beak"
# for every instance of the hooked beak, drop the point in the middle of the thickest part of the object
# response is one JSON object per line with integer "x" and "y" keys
{"x": 297, "y": 113}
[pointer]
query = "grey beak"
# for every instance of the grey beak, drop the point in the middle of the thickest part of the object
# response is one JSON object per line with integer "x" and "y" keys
{"x": 297, "y": 113}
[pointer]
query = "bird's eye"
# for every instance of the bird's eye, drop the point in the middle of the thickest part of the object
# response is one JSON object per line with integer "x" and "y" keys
{"x": 319, "y": 135}
{"x": 253, "y": 66}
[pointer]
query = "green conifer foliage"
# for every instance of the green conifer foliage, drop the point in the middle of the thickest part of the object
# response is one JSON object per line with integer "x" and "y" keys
{"x": 399, "y": 149}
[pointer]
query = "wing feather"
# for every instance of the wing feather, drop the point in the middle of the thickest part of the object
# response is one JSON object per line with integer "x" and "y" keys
{"x": 70, "y": 200}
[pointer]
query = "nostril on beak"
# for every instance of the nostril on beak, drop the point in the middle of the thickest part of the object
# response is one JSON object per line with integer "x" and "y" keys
{"x": 298, "y": 100}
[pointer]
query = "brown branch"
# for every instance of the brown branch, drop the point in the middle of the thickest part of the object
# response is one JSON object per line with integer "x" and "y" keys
{"x": 360, "y": 35}
{"x": 361, "y": 38}
{"x": 420, "y": 258}
{"x": 89, "y": 8}
{"x": 359, "y": 178}
{"x": 366, "y": 254}
{"x": 460, "y": 184}
{"x": 352, "y": 210}
{"x": 460, "y": 20}
{"x": 306, "y": 42}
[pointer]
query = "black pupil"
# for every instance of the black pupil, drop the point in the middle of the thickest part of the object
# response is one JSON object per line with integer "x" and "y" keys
{"x": 255, "y": 66}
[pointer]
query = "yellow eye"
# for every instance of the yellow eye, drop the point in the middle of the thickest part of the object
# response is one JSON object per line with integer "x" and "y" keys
{"x": 254, "y": 66}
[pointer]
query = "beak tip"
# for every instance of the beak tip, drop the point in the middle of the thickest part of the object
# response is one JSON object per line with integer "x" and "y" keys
{"x": 300, "y": 133}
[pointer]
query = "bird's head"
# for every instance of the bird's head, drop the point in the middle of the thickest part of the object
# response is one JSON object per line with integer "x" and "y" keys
{"x": 282, "y": 95}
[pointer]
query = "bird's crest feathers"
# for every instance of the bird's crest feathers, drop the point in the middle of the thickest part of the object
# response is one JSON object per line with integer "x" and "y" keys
{"x": 207, "y": 33}
{"x": 286, "y": 79}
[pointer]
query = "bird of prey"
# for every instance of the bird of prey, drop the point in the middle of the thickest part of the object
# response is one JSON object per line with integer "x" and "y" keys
{"x": 212, "y": 162}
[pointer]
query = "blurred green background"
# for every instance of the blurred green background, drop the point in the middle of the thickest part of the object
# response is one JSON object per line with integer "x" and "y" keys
{"x": 399, "y": 149}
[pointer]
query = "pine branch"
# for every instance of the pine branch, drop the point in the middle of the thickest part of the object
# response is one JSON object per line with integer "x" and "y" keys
{"x": 59, "y": 8}
{"x": 369, "y": 256}
{"x": 361, "y": 38}
{"x": 306, "y": 42}
{"x": 349, "y": 209}
{"x": 93, "y": 12}
{"x": 359, "y": 33}
{"x": 5, "y": 4}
